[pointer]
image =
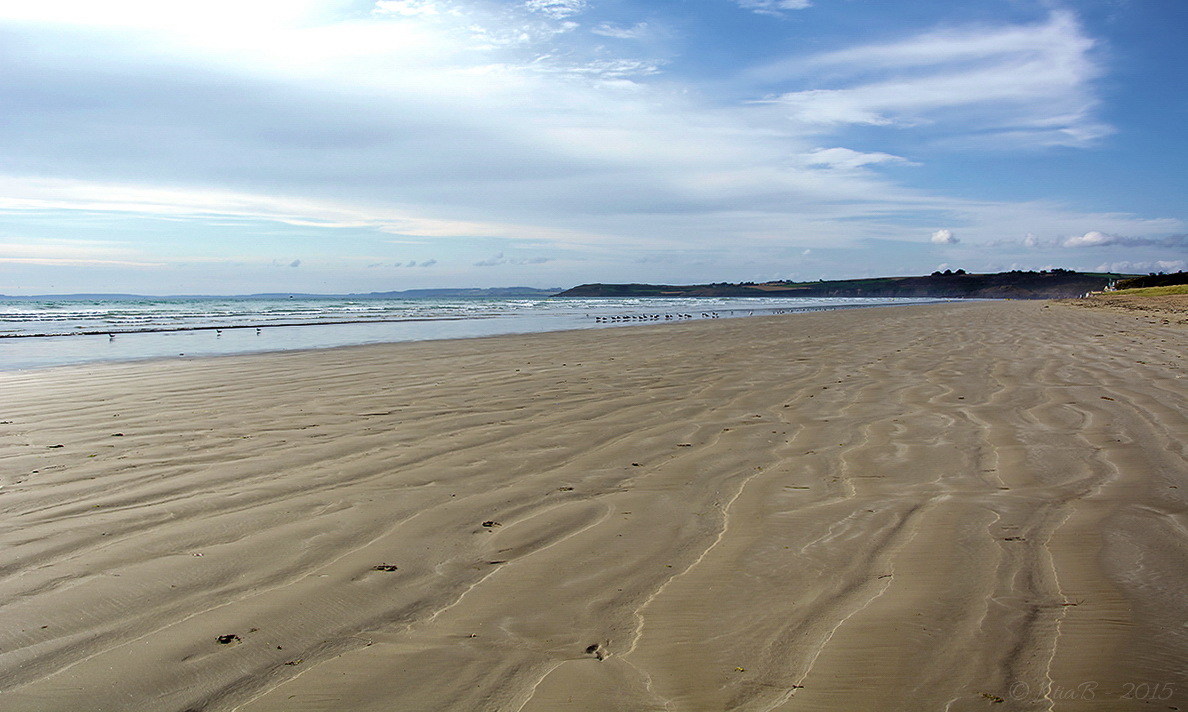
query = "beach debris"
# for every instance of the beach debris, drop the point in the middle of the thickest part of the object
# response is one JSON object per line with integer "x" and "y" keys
{"x": 596, "y": 651}
{"x": 53, "y": 447}
{"x": 564, "y": 489}
{"x": 993, "y": 698}
{"x": 298, "y": 661}
{"x": 635, "y": 464}
{"x": 117, "y": 435}
{"x": 1014, "y": 538}
{"x": 491, "y": 523}
{"x": 740, "y": 669}
{"x": 1106, "y": 398}
{"x": 228, "y": 639}
{"x": 384, "y": 567}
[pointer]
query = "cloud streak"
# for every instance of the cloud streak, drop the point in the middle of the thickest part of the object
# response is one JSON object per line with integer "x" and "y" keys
{"x": 1093, "y": 238}
{"x": 1029, "y": 84}
{"x": 773, "y": 7}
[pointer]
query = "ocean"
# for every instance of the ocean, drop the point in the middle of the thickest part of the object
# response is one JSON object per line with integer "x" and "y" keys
{"x": 36, "y": 333}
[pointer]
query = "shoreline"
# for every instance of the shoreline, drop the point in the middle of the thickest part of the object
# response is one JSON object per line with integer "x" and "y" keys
{"x": 42, "y": 350}
{"x": 918, "y": 508}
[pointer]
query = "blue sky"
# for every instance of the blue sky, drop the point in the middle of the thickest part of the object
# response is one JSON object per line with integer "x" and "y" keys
{"x": 238, "y": 146}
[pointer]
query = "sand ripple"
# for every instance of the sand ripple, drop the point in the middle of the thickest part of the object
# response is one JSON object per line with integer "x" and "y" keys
{"x": 916, "y": 508}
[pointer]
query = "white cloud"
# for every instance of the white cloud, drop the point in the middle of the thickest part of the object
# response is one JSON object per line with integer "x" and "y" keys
{"x": 1099, "y": 239}
{"x": 1031, "y": 240}
{"x": 773, "y": 7}
{"x": 37, "y": 195}
{"x": 407, "y": 8}
{"x": 607, "y": 69}
{"x": 1025, "y": 84}
{"x": 1092, "y": 238}
{"x": 59, "y": 252}
{"x": 556, "y": 9}
{"x": 157, "y": 15}
{"x": 607, "y": 29}
{"x": 944, "y": 237}
{"x": 71, "y": 262}
{"x": 499, "y": 260}
{"x": 847, "y": 158}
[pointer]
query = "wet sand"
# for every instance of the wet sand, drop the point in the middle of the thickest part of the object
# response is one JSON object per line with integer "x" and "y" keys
{"x": 963, "y": 506}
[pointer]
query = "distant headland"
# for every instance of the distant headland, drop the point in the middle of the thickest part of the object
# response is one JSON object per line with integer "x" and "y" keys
{"x": 1045, "y": 284}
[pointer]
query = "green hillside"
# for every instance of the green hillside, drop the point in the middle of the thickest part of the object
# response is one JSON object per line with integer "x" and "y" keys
{"x": 1047, "y": 284}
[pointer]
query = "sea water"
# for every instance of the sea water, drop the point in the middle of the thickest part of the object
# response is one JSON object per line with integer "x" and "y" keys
{"x": 36, "y": 333}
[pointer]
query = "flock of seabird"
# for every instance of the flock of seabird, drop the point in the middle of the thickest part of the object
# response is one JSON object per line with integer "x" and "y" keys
{"x": 613, "y": 319}
{"x": 218, "y": 334}
{"x": 618, "y": 318}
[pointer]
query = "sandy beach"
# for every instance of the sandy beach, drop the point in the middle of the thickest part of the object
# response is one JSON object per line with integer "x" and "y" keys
{"x": 965, "y": 506}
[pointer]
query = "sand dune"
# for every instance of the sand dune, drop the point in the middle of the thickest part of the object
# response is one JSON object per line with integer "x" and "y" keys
{"x": 961, "y": 507}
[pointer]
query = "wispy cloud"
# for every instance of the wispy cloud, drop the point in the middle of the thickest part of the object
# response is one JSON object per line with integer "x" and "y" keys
{"x": 500, "y": 260}
{"x": 1093, "y": 238}
{"x": 72, "y": 262}
{"x": 848, "y": 158}
{"x": 608, "y": 29}
{"x": 556, "y": 9}
{"x": 1026, "y": 84}
{"x": 72, "y": 252}
{"x": 773, "y": 7}
{"x": 407, "y": 8}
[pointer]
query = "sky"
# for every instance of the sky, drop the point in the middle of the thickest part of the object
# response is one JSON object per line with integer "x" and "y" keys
{"x": 338, "y": 146}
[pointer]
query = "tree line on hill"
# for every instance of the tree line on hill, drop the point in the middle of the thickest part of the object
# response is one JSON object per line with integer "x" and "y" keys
{"x": 1016, "y": 284}
{"x": 1153, "y": 280}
